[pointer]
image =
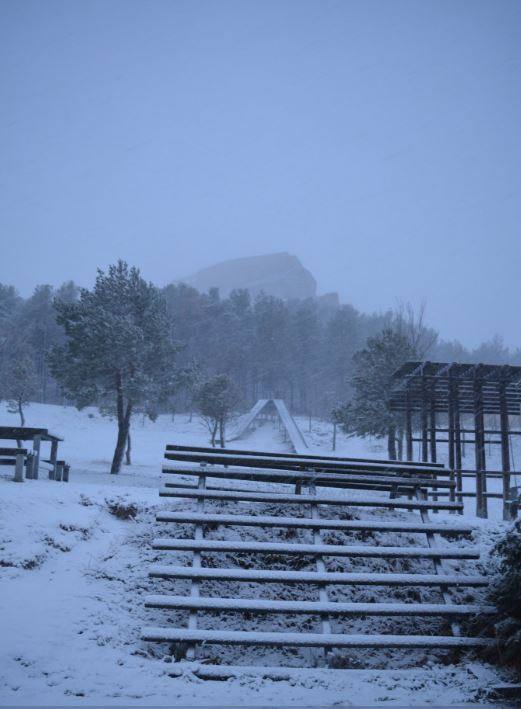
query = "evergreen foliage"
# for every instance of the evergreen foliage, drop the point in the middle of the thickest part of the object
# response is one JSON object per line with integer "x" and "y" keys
{"x": 506, "y": 595}
{"x": 368, "y": 412}
{"x": 216, "y": 399}
{"x": 119, "y": 348}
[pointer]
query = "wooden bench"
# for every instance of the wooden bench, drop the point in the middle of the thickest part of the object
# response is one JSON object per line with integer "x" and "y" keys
{"x": 20, "y": 458}
{"x": 58, "y": 470}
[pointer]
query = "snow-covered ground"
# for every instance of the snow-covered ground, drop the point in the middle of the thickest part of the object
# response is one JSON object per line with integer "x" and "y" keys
{"x": 73, "y": 577}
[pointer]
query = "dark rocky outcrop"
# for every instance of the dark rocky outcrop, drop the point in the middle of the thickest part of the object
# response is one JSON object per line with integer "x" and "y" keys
{"x": 280, "y": 274}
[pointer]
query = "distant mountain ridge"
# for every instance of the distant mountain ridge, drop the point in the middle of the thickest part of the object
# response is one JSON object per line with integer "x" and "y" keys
{"x": 280, "y": 274}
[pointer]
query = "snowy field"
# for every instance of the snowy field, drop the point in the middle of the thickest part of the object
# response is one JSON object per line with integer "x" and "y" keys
{"x": 74, "y": 575}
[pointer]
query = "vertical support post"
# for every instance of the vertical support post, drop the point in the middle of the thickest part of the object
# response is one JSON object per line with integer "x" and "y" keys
{"x": 19, "y": 468}
{"x": 432, "y": 431}
{"x": 451, "y": 436}
{"x": 37, "y": 440}
{"x": 505, "y": 444}
{"x": 479, "y": 444}
{"x": 425, "y": 454}
{"x": 432, "y": 422}
{"x": 58, "y": 471}
{"x": 320, "y": 565}
{"x": 408, "y": 425}
{"x": 196, "y": 564}
{"x": 457, "y": 448}
{"x": 53, "y": 458}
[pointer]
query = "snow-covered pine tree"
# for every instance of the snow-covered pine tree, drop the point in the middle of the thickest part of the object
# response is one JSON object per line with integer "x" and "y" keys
{"x": 19, "y": 383}
{"x": 368, "y": 413}
{"x": 119, "y": 345}
{"x": 216, "y": 400}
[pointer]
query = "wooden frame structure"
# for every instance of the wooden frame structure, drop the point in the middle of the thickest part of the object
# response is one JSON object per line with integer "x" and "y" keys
{"x": 301, "y": 476}
{"x": 439, "y": 395}
{"x": 275, "y": 407}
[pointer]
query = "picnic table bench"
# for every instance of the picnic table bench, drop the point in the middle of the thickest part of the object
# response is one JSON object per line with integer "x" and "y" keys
{"x": 58, "y": 469}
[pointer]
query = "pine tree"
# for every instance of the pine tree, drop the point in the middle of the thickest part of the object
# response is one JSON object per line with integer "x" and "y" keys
{"x": 368, "y": 413}
{"x": 119, "y": 347}
{"x": 216, "y": 400}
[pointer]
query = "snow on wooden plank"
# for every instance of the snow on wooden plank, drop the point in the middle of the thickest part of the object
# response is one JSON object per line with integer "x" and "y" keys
{"x": 223, "y": 458}
{"x": 252, "y": 496}
{"x": 331, "y": 608}
{"x": 381, "y": 462}
{"x": 310, "y": 639}
{"x": 294, "y": 433}
{"x": 335, "y": 578}
{"x": 321, "y": 479}
{"x": 322, "y": 523}
{"x": 213, "y": 545}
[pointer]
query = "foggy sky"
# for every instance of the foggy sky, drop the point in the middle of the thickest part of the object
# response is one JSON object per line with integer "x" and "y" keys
{"x": 377, "y": 141}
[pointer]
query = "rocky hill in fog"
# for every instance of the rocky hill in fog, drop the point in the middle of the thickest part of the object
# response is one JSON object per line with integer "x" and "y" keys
{"x": 280, "y": 274}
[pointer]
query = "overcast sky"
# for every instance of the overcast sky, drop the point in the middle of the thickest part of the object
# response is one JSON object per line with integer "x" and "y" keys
{"x": 378, "y": 141}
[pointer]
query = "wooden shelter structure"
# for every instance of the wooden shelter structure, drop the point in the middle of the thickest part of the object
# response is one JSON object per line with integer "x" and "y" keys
{"x": 444, "y": 397}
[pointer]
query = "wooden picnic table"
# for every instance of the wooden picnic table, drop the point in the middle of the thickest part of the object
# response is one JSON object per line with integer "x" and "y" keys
{"x": 36, "y": 435}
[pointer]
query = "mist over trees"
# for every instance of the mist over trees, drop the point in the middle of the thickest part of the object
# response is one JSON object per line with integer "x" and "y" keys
{"x": 302, "y": 351}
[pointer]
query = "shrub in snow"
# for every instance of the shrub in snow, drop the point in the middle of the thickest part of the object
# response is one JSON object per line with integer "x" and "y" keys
{"x": 506, "y": 595}
{"x": 122, "y": 509}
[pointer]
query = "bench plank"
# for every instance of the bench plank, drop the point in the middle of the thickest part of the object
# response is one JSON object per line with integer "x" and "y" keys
{"x": 320, "y": 479}
{"x": 306, "y": 523}
{"x": 241, "y": 605}
{"x": 335, "y": 578}
{"x": 310, "y": 639}
{"x": 213, "y": 545}
{"x": 252, "y": 496}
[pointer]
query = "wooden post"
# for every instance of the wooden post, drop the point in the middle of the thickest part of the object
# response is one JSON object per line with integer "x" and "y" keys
{"x": 457, "y": 448}
{"x": 408, "y": 425}
{"x": 425, "y": 454}
{"x": 54, "y": 456}
{"x": 196, "y": 564}
{"x": 432, "y": 423}
{"x": 37, "y": 440}
{"x": 58, "y": 472}
{"x": 479, "y": 443}
{"x": 451, "y": 437}
{"x": 19, "y": 468}
{"x": 432, "y": 431}
{"x": 505, "y": 447}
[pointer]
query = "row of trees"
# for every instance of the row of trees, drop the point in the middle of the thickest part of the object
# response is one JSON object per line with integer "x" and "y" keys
{"x": 130, "y": 347}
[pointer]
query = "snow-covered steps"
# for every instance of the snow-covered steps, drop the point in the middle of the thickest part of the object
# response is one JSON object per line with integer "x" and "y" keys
{"x": 381, "y": 552}
{"x": 331, "y": 640}
{"x": 321, "y": 523}
{"x": 256, "y": 605}
{"x": 291, "y": 526}
{"x": 333, "y": 578}
{"x": 277, "y": 497}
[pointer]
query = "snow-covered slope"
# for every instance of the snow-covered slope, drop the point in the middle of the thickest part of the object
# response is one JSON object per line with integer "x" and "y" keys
{"x": 73, "y": 577}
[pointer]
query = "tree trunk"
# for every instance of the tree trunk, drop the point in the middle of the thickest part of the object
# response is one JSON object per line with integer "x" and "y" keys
{"x": 334, "y": 436}
{"x": 128, "y": 461}
{"x": 400, "y": 444}
{"x": 391, "y": 442}
{"x": 21, "y": 412}
{"x": 221, "y": 433}
{"x": 214, "y": 433}
{"x": 123, "y": 428}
